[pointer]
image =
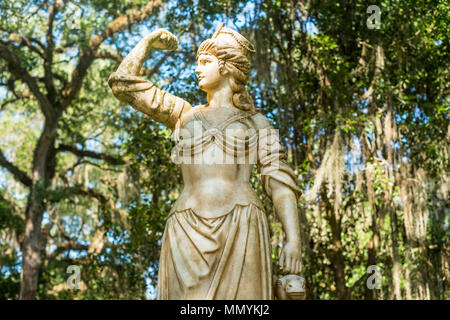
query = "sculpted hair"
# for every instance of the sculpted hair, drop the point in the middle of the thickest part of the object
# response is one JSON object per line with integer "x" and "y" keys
{"x": 232, "y": 59}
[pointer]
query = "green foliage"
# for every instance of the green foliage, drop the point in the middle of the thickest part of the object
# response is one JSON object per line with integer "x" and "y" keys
{"x": 318, "y": 70}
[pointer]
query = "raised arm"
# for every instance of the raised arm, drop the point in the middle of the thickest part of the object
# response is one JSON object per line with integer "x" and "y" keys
{"x": 280, "y": 183}
{"x": 140, "y": 93}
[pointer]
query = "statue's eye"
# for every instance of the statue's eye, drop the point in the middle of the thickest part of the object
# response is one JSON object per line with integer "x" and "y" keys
{"x": 206, "y": 60}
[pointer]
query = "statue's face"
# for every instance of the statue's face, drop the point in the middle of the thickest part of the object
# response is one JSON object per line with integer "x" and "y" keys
{"x": 209, "y": 76}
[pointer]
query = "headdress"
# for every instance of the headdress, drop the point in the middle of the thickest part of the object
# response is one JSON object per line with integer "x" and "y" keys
{"x": 230, "y": 47}
{"x": 243, "y": 42}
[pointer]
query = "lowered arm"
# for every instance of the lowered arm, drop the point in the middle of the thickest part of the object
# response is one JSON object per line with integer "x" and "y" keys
{"x": 280, "y": 183}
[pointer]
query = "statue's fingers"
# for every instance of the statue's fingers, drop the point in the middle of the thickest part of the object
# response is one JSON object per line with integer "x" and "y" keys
{"x": 286, "y": 264}
{"x": 297, "y": 267}
{"x": 289, "y": 264}
{"x": 282, "y": 261}
{"x": 294, "y": 266}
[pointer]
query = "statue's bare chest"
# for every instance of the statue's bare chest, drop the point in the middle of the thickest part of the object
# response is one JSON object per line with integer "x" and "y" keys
{"x": 221, "y": 121}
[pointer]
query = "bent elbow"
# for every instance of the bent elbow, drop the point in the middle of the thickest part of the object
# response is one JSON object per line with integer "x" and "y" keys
{"x": 112, "y": 82}
{"x": 116, "y": 88}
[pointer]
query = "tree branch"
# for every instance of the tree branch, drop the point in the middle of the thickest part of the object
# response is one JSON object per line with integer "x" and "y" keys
{"x": 48, "y": 54}
{"x": 21, "y": 95}
{"x": 91, "y": 154}
{"x": 64, "y": 47}
{"x": 15, "y": 171}
{"x": 8, "y": 102}
{"x": 15, "y": 67}
{"x": 60, "y": 78}
{"x": 88, "y": 55}
{"x": 36, "y": 11}
{"x": 21, "y": 40}
{"x": 108, "y": 55}
{"x": 16, "y": 210}
{"x": 61, "y": 193}
{"x": 66, "y": 246}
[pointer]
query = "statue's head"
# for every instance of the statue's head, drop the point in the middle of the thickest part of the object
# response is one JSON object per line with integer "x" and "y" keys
{"x": 226, "y": 58}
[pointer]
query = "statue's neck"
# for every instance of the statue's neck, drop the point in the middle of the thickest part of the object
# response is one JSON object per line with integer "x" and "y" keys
{"x": 221, "y": 97}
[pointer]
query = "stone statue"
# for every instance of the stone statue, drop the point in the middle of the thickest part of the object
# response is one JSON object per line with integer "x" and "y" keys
{"x": 216, "y": 240}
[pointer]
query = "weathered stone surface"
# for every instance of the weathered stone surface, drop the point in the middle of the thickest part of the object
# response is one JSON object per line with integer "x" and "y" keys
{"x": 216, "y": 243}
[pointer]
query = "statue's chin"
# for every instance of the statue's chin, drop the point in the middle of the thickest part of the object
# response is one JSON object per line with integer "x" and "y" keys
{"x": 202, "y": 86}
{"x": 208, "y": 86}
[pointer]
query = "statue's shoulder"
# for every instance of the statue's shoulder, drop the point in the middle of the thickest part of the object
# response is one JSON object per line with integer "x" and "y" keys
{"x": 194, "y": 109}
{"x": 260, "y": 121}
{"x": 189, "y": 114}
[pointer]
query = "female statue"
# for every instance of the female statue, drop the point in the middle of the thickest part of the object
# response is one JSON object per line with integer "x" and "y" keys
{"x": 216, "y": 241}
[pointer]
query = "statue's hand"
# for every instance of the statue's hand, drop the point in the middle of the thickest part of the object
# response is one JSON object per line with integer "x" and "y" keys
{"x": 162, "y": 39}
{"x": 290, "y": 258}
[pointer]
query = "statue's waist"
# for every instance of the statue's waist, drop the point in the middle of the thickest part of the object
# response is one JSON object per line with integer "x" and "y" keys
{"x": 215, "y": 202}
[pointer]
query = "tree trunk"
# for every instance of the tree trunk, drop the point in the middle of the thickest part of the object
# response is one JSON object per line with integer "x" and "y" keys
{"x": 372, "y": 248}
{"x": 392, "y": 176}
{"x": 335, "y": 252}
{"x": 396, "y": 270}
{"x": 43, "y": 170}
